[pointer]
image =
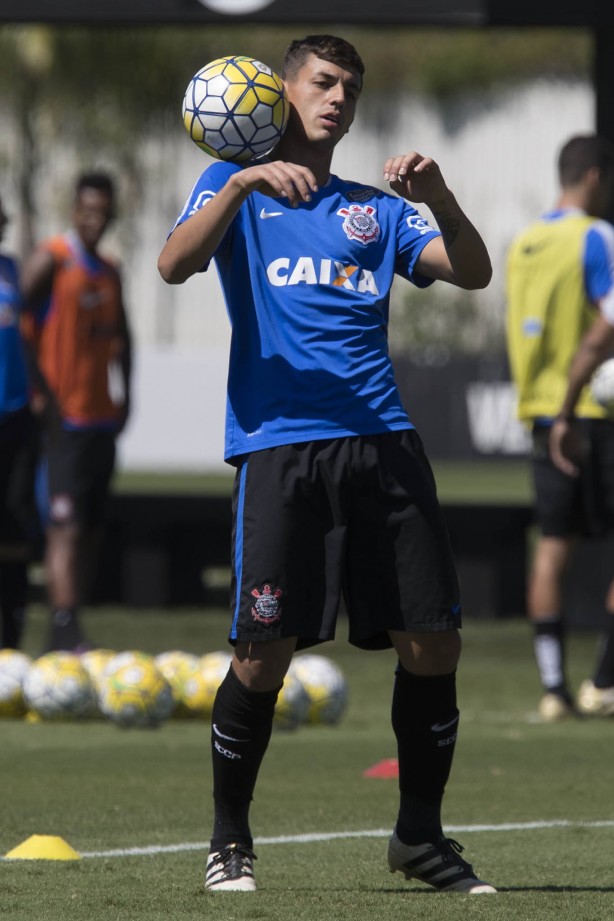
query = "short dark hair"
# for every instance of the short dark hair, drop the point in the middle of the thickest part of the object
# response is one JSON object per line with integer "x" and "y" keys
{"x": 582, "y": 152}
{"x": 102, "y": 182}
{"x": 327, "y": 47}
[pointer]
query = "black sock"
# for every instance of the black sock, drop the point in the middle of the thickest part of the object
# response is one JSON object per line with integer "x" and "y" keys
{"x": 64, "y": 630}
{"x": 604, "y": 672}
{"x": 549, "y": 646}
{"x": 241, "y": 725}
{"x": 425, "y": 722}
{"x": 13, "y": 596}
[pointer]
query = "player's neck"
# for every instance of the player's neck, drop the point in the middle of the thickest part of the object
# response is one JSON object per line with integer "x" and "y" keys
{"x": 316, "y": 159}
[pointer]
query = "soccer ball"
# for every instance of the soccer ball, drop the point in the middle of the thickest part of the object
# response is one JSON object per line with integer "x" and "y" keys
{"x": 292, "y": 704}
{"x": 14, "y": 667}
{"x": 178, "y": 668}
{"x": 602, "y": 384}
{"x": 200, "y": 685}
{"x": 235, "y": 108}
{"x": 58, "y": 686}
{"x": 129, "y": 657}
{"x": 325, "y": 685}
{"x": 135, "y": 694}
{"x": 95, "y": 661}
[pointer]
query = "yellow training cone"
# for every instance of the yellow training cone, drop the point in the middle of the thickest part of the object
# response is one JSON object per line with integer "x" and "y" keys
{"x": 43, "y": 847}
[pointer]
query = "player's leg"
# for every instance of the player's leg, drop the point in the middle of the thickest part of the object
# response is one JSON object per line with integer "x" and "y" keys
{"x": 80, "y": 467}
{"x": 558, "y": 506}
{"x": 544, "y": 608}
{"x": 402, "y": 577}
{"x": 241, "y": 725}
{"x": 17, "y": 523}
{"x": 596, "y": 694}
{"x": 425, "y": 719}
{"x": 278, "y": 594}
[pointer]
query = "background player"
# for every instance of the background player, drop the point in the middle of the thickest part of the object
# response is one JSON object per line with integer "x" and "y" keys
{"x": 333, "y": 494}
{"x": 18, "y": 450}
{"x": 77, "y": 330}
{"x": 560, "y": 284}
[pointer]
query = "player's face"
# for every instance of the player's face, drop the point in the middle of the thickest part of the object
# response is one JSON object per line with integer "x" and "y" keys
{"x": 323, "y": 98}
{"x": 92, "y": 213}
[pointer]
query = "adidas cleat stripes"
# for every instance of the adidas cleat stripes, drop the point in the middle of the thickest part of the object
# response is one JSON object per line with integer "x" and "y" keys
{"x": 439, "y": 865}
{"x": 231, "y": 869}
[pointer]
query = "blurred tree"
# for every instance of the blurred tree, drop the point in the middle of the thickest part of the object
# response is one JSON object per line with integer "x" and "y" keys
{"x": 101, "y": 92}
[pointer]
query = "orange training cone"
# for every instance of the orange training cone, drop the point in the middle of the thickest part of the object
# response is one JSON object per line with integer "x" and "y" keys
{"x": 386, "y": 769}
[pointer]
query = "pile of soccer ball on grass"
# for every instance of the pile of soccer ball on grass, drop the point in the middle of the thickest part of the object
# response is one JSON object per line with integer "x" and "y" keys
{"x": 134, "y": 689}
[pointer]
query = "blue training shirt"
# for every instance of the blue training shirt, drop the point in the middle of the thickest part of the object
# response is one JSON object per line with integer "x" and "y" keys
{"x": 13, "y": 375}
{"x": 307, "y": 292}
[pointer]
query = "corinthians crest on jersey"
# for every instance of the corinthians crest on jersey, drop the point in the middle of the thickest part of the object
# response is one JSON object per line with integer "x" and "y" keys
{"x": 360, "y": 223}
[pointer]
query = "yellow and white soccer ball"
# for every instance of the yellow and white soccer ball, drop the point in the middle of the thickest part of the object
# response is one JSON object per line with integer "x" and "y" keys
{"x": 178, "y": 667}
{"x": 602, "y": 384}
{"x": 127, "y": 657}
{"x": 200, "y": 685}
{"x": 235, "y": 108}
{"x": 325, "y": 685}
{"x": 135, "y": 694}
{"x": 96, "y": 661}
{"x": 14, "y": 666}
{"x": 292, "y": 704}
{"x": 58, "y": 687}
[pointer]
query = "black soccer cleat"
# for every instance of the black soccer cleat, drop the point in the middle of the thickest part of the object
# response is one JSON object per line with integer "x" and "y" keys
{"x": 231, "y": 869}
{"x": 440, "y": 865}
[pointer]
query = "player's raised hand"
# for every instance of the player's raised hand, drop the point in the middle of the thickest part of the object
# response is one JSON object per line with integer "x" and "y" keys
{"x": 279, "y": 179}
{"x": 415, "y": 177}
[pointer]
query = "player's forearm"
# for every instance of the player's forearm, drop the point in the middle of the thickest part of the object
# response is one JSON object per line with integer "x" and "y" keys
{"x": 467, "y": 253}
{"x": 596, "y": 346}
{"x": 192, "y": 244}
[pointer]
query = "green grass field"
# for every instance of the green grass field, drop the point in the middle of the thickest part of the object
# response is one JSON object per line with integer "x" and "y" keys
{"x": 532, "y": 803}
{"x": 499, "y": 481}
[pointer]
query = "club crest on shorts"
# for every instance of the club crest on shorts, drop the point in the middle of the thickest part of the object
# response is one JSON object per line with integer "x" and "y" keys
{"x": 360, "y": 223}
{"x": 267, "y": 609}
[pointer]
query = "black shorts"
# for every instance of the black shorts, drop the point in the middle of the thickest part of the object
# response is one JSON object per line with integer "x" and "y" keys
{"x": 569, "y": 506}
{"x": 79, "y": 470}
{"x": 19, "y": 448}
{"x": 353, "y": 520}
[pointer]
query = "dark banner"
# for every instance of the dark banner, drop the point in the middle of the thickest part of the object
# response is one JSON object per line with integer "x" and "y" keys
{"x": 383, "y": 12}
{"x": 463, "y": 407}
{"x": 366, "y": 12}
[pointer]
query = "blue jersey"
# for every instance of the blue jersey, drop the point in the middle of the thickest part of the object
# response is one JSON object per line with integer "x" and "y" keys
{"x": 13, "y": 375}
{"x": 307, "y": 291}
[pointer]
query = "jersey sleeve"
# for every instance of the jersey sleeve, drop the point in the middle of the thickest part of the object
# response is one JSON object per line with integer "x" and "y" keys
{"x": 204, "y": 189}
{"x": 413, "y": 233}
{"x": 599, "y": 267}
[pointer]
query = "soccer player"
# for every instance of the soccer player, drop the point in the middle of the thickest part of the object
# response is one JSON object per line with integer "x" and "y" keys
{"x": 18, "y": 450}
{"x": 77, "y": 331}
{"x": 560, "y": 288}
{"x": 333, "y": 494}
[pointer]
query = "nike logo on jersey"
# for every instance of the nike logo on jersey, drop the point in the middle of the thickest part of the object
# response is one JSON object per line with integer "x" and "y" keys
{"x": 308, "y": 271}
{"x": 264, "y": 214}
